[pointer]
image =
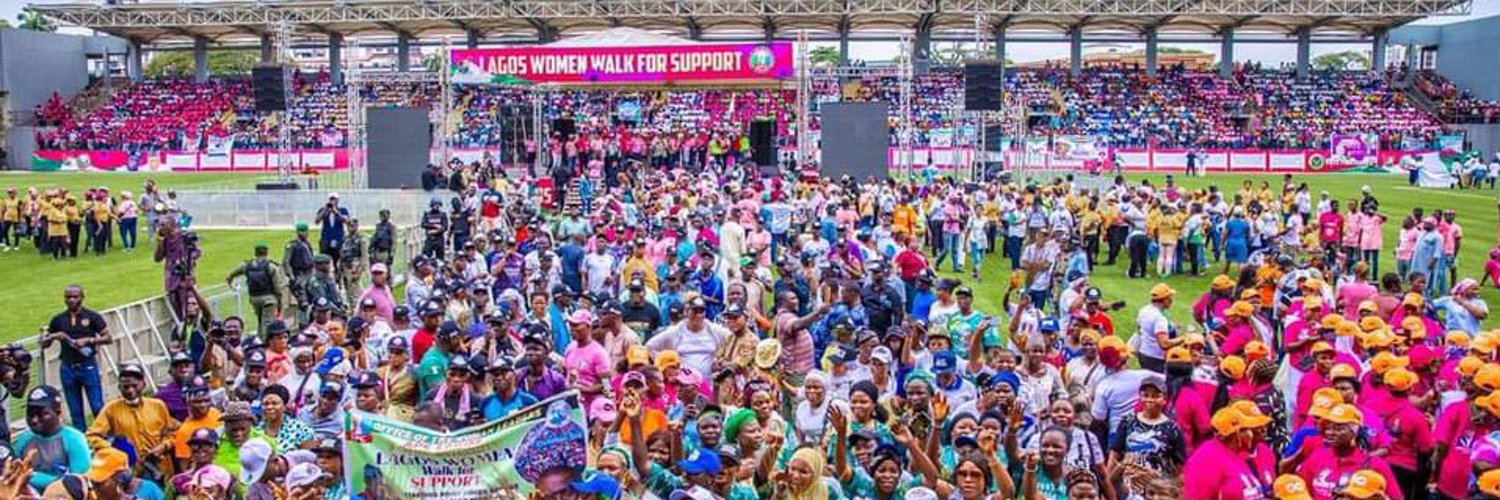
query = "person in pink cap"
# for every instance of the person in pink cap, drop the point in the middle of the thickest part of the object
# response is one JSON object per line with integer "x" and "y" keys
{"x": 209, "y": 483}
{"x": 586, "y": 362}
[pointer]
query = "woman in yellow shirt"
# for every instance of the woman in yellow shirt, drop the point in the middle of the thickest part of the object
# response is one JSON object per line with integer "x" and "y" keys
{"x": 74, "y": 217}
{"x": 57, "y": 226}
{"x": 1168, "y": 232}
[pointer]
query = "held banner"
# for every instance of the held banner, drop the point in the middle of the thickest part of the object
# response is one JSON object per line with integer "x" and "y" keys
{"x": 541, "y": 447}
{"x": 1345, "y": 150}
{"x": 654, "y": 64}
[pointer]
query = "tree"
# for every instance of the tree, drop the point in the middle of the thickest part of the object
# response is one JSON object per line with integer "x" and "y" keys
{"x": 33, "y": 21}
{"x": 433, "y": 62}
{"x": 952, "y": 55}
{"x": 823, "y": 56}
{"x": 179, "y": 63}
{"x": 1341, "y": 61}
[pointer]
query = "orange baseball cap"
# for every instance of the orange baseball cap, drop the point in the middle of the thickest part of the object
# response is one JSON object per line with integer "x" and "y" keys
{"x": 1469, "y": 365}
{"x": 1313, "y": 284}
{"x": 1368, "y": 306}
{"x": 1489, "y": 482}
{"x": 1179, "y": 354}
{"x": 1488, "y": 377}
{"x": 1291, "y": 487}
{"x": 1323, "y": 400}
{"x": 1490, "y": 402}
{"x": 1365, "y": 483}
{"x": 1457, "y": 338}
{"x": 1233, "y": 366}
{"x": 1347, "y": 329}
{"x": 1371, "y": 323}
{"x": 1331, "y": 320}
{"x": 1312, "y": 302}
{"x": 1412, "y": 299}
{"x": 1320, "y": 347}
{"x": 1192, "y": 339}
{"x": 1483, "y": 344}
{"x": 1344, "y": 413}
{"x": 1253, "y": 417}
{"x": 1378, "y": 339}
{"x": 1240, "y": 308}
{"x": 1342, "y": 370}
{"x": 1255, "y": 350}
{"x": 1114, "y": 343}
{"x": 1222, "y": 282}
{"x": 1385, "y": 361}
{"x": 1162, "y": 291}
{"x": 1414, "y": 327}
{"x": 1400, "y": 379}
{"x": 1228, "y": 421}
{"x": 668, "y": 359}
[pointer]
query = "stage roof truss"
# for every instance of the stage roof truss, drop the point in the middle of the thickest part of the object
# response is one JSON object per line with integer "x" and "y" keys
{"x": 544, "y": 19}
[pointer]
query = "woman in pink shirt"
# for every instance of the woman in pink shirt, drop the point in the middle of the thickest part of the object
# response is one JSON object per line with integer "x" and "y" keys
{"x": 1370, "y": 239}
{"x": 1412, "y": 436}
{"x": 1327, "y": 465}
{"x": 1223, "y": 468}
{"x": 1406, "y": 245}
{"x": 1350, "y": 241}
{"x": 1237, "y": 330}
{"x": 1189, "y": 407}
{"x": 1357, "y": 290}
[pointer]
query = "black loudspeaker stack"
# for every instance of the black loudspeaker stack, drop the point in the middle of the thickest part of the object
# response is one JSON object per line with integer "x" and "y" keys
{"x": 270, "y": 88}
{"x": 983, "y": 86}
{"x": 565, "y": 126}
{"x": 763, "y": 142}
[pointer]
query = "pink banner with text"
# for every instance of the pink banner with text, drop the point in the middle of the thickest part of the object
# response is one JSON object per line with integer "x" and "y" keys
{"x": 705, "y": 62}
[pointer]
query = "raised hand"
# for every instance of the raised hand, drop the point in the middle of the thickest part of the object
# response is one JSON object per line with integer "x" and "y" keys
{"x": 939, "y": 407}
{"x": 838, "y": 420}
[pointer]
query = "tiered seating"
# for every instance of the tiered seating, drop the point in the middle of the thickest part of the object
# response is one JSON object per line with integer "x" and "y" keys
{"x": 165, "y": 114}
{"x": 1456, "y": 105}
{"x": 54, "y": 111}
{"x": 1177, "y": 107}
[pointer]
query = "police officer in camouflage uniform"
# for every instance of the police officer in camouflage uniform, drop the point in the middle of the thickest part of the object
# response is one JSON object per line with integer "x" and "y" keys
{"x": 270, "y": 290}
{"x": 297, "y": 260}
{"x": 322, "y": 285}
{"x": 352, "y": 262}
{"x": 383, "y": 242}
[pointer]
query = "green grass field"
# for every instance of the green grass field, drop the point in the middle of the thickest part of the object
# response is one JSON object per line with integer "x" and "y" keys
{"x": 1477, "y": 215}
{"x": 35, "y": 282}
{"x": 128, "y": 181}
{"x": 120, "y": 278}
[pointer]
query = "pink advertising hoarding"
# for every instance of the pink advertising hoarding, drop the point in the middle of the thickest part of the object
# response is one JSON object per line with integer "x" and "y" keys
{"x": 630, "y": 65}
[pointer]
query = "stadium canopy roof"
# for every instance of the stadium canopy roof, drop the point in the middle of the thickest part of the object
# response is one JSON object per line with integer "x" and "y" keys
{"x": 546, "y": 20}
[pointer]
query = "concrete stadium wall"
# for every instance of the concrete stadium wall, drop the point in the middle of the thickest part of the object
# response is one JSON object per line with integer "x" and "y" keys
{"x": 282, "y": 209}
{"x": 1466, "y": 52}
{"x": 35, "y": 64}
{"x": 1481, "y": 137}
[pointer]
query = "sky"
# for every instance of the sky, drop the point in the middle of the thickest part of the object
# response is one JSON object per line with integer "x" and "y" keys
{"x": 1270, "y": 54}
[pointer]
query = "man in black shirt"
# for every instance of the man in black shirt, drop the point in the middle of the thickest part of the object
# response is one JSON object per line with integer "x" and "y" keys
{"x": 80, "y": 330}
{"x": 638, "y": 313}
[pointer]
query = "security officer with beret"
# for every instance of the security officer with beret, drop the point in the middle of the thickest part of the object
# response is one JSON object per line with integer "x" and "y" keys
{"x": 322, "y": 285}
{"x": 297, "y": 259}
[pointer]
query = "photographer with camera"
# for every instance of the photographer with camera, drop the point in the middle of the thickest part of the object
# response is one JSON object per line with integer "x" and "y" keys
{"x": 178, "y": 252}
{"x": 332, "y": 219}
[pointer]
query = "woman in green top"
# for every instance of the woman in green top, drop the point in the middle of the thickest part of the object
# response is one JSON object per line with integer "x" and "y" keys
{"x": 1045, "y": 476}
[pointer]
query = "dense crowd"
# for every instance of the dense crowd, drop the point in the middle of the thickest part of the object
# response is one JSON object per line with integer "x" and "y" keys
{"x": 1178, "y": 107}
{"x": 738, "y": 336}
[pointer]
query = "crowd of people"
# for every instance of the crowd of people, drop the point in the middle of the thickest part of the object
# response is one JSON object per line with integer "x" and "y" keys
{"x": 738, "y": 336}
{"x": 1176, "y": 108}
{"x": 57, "y": 222}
